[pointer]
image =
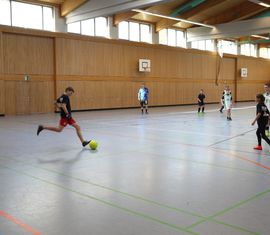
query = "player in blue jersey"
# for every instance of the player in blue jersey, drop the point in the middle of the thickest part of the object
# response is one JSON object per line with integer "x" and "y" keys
{"x": 143, "y": 98}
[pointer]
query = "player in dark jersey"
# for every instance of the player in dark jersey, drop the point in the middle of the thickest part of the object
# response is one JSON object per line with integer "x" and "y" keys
{"x": 63, "y": 103}
{"x": 201, "y": 103}
{"x": 262, "y": 119}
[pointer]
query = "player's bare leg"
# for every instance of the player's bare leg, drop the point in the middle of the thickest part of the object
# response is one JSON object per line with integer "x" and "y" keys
{"x": 79, "y": 134}
{"x": 55, "y": 129}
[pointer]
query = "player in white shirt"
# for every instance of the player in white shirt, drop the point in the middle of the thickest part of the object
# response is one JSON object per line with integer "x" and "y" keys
{"x": 267, "y": 102}
{"x": 226, "y": 101}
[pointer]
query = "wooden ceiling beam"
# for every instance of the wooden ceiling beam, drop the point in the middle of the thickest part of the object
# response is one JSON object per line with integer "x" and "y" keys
{"x": 239, "y": 12}
{"x": 165, "y": 23}
{"x": 117, "y": 18}
{"x": 70, "y": 5}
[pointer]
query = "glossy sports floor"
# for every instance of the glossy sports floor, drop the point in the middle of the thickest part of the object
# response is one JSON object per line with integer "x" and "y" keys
{"x": 170, "y": 172}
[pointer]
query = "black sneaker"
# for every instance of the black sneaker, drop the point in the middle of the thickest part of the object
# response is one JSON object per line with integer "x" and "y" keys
{"x": 84, "y": 143}
{"x": 220, "y": 111}
{"x": 40, "y": 128}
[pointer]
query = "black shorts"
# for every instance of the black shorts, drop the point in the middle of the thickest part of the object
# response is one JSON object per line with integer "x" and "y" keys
{"x": 143, "y": 102}
{"x": 262, "y": 124}
{"x": 201, "y": 103}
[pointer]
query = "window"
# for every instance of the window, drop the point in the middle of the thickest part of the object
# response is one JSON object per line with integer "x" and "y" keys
{"x": 253, "y": 50}
{"x": 210, "y": 45}
{"x": 248, "y": 49}
{"x": 205, "y": 45}
{"x": 26, "y": 15}
{"x": 133, "y": 31}
{"x": 180, "y": 39}
{"x": 88, "y": 27}
{"x": 101, "y": 27}
{"x": 91, "y": 27}
{"x": 229, "y": 47}
{"x": 264, "y": 52}
{"x": 5, "y": 17}
{"x": 172, "y": 37}
{"x": 145, "y": 33}
{"x": 200, "y": 45}
{"x": 123, "y": 30}
{"x": 163, "y": 37}
{"x": 74, "y": 27}
{"x": 48, "y": 19}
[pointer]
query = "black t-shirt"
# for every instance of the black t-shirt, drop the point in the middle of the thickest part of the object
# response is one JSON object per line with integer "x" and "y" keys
{"x": 262, "y": 109}
{"x": 201, "y": 97}
{"x": 64, "y": 99}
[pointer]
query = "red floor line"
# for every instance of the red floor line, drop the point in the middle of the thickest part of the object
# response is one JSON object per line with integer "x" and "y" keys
{"x": 20, "y": 223}
{"x": 244, "y": 159}
{"x": 198, "y": 146}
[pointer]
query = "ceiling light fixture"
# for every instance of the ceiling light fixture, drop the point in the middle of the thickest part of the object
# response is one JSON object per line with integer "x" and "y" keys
{"x": 260, "y": 3}
{"x": 173, "y": 18}
{"x": 259, "y": 36}
{"x": 264, "y": 4}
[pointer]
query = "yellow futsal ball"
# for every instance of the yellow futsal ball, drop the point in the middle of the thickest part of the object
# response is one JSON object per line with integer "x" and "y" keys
{"x": 93, "y": 144}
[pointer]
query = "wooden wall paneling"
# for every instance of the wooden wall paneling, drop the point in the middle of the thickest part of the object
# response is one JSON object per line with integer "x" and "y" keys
{"x": 41, "y": 97}
{"x": 228, "y": 69}
{"x": 28, "y": 54}
{"x": 187, "y": 65}
{"x": 33, "y": 56}
{"x": 17, "y": 98}
{"x": 248, "y": 91}
{"x": 258, "y": 74}
{"x": 10, "y": 97}
{"x": 2, "y": 97}
{"x": 197, "y": 66}
{"x": 2, "y": 84}
{"x": 104, "y": 73}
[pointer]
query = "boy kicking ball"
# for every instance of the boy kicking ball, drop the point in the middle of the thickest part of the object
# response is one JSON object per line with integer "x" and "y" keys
{"x": 63, "y": 103}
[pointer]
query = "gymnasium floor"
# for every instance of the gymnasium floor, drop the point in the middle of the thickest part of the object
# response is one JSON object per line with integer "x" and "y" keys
{"x": 170, "y": 172}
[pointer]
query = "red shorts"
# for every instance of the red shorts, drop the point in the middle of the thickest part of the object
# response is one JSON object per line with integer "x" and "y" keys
{"x": 65, "y": 121}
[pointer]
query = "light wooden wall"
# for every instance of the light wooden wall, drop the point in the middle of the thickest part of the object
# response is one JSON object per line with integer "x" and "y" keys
{"x": 104, "y": 73}
{"x": 258, "y": 75}
{"x": 2, "y": 84}
{"x": 2, "y": 97}
{"x": 33, "y": 56}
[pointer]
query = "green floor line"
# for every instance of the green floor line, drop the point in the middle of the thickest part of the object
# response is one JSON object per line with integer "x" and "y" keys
{"x": 239, "y": 204}
{"x": 234, "y": 227}
{"x": 127, "y": 210}
{"x": 133, "y": 196}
